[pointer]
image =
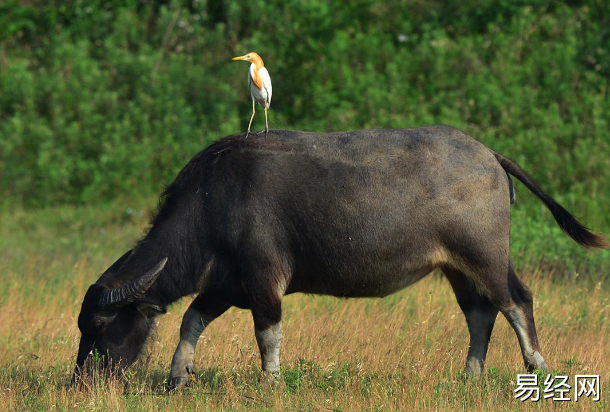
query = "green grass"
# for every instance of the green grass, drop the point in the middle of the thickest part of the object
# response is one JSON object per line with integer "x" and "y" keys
{"x": 404, "y": 352}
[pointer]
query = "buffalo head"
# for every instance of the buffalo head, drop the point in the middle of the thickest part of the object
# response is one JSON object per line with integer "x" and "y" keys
{"x": 114, "y": 324}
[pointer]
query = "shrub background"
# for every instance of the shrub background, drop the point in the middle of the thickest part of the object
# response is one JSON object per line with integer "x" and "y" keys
{"x": 106, "y": 100}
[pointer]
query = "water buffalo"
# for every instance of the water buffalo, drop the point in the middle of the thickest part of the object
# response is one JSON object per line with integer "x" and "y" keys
{"x": 363, "y": 213}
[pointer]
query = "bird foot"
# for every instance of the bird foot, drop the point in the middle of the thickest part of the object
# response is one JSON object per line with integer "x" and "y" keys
{"x": 261, "y": 131}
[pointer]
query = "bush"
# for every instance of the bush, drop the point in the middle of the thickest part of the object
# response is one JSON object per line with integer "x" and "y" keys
{"x": 102, "y": 99}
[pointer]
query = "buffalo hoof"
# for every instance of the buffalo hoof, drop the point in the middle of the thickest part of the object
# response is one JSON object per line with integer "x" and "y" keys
{"x": 271, "y": 379}
{"x": 176, "y": 382}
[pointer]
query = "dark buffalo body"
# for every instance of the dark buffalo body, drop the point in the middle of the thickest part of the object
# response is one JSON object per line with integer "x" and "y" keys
{"x": 340, "y": 214}
{"x": 352, "y": 214}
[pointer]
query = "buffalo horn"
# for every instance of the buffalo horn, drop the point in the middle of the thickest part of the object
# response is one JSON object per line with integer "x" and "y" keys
{"x": 120, "y": 296}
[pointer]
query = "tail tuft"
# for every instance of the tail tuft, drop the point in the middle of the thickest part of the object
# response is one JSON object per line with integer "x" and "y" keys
{"x": 568, "y": 223}
{"x": 576, "y": 230}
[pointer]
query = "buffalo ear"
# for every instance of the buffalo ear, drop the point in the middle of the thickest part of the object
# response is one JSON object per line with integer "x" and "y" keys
{"x": 150, "y": 310}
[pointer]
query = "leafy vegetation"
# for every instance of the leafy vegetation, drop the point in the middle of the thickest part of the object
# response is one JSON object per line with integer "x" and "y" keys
{"x": 101, "y": 100}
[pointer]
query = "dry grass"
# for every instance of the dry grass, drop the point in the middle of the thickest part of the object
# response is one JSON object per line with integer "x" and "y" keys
{"x": 404, "y": 352}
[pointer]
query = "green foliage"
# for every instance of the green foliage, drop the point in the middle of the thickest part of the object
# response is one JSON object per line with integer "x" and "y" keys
{"x": 106, "y": 98}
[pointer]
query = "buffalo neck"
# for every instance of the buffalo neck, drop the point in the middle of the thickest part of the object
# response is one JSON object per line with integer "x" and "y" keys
{"x": 171, "y": 236}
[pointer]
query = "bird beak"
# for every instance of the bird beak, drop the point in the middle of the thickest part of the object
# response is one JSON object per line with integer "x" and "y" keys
{"x": 239, "y": 57}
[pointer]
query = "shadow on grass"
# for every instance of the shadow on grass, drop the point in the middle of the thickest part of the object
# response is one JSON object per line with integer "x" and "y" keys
{"x": 211, "y": 381}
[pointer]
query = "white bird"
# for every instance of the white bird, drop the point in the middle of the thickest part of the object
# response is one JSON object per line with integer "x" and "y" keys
{"x": 260, "y": 86}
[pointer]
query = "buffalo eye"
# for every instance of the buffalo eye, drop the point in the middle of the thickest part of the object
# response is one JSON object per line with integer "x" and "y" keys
{"x": 150, "y": 310}
{"x": 99, "y": 323}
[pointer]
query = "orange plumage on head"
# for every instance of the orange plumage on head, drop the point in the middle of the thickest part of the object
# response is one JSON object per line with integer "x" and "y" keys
{"x": 257, "y": 60}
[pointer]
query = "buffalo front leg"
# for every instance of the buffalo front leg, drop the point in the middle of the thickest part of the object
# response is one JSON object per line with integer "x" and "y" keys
{"x": 202, "y": 311}
{"x": 268, "y": 331}
{"x": 269, "y": 340}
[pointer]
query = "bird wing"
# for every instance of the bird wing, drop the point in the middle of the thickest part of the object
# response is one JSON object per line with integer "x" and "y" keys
{"x": 263, "y": 74}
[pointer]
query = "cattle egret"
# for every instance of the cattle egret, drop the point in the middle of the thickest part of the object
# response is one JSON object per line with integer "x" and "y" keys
{"x": 260, "y": 86}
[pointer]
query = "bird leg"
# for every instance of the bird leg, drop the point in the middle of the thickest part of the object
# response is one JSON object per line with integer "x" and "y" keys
{"x": 251, "y": 118}
{"x": 266, "y": 122}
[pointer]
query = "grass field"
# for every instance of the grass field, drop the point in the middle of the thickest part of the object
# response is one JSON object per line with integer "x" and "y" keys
{"x": 404, "y": 352}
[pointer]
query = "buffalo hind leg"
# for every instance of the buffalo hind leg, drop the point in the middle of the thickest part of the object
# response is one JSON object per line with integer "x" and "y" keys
{"x": 499, "y": 283}
{"x": 202, "y": 311}
{"x": 480, "y": 316}
{"x": 520, "y": 315}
